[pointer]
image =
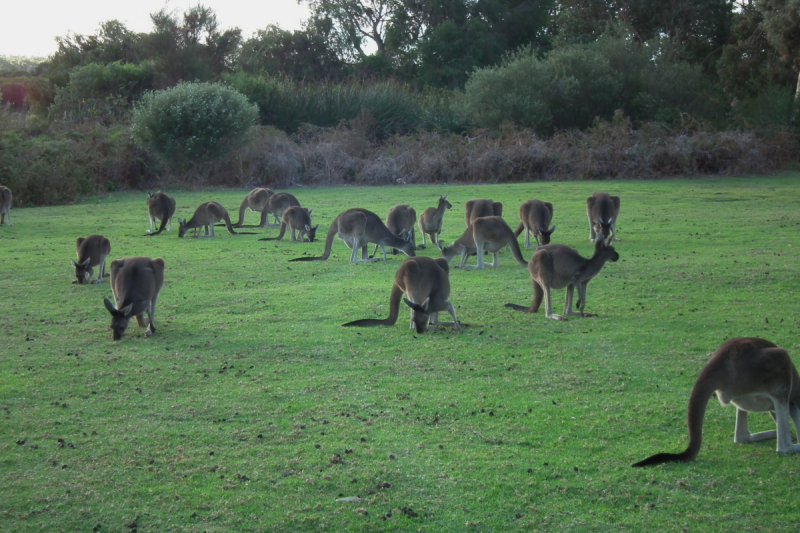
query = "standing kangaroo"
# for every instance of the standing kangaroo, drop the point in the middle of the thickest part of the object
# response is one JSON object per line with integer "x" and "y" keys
{"x": 400, "y": 221}
{"x": 136, "y": 283}
{"x": 5, "y": 205}
{"x": 476, "y": 208}
{"x": 602, "y": 211}
{"x": 205, "y": 216}
{"x": 555, "y": 266}
{"x": 535, "y": 217}
{"x": 754, "y": 375}
{"x": 257, "y": 201}
{"x": 485, "y": 233}
{"x": 426, "y": 283}
{"x": 161, "y": 207}
{"x": 430, "y": 221}
{"x": 358, "y": 228}
{"x": 298, "y": 219}
{"x": 91, "y": 251}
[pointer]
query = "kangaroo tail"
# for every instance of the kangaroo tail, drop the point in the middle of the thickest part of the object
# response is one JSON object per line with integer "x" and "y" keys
{"x": 516, "y": 252}
{"x": 334, "y": 229}
{"x": 394, "y": 312}
{"x": 703, "y": 388}
{"x": 280, "y": 235}
{"x": 242, "y": 209}
{"x": 538, "y": 295}
{"x": 229, "y": 225}
{"x": 519, "y": 229}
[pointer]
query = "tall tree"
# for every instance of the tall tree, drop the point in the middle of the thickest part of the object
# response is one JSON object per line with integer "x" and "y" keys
{"x": 781, "y": 23}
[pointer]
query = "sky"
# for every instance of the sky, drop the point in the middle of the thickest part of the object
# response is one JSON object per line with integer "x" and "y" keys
{"x": 31, "y": 29}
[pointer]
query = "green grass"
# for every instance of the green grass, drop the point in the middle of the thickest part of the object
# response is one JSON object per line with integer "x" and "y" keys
{"x": 230, "y": 417}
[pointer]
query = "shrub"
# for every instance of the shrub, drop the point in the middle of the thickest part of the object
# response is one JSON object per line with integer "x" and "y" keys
{"x": 192, "y": 122}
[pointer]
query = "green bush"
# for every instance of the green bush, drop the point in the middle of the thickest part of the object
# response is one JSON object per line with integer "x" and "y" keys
{"x": 100, "y": 91}
{"x": 192, "y": 122}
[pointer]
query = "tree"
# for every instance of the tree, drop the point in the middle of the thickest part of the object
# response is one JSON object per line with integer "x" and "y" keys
{"x": 300, "y": 54}
{"x": 781, "y": 23}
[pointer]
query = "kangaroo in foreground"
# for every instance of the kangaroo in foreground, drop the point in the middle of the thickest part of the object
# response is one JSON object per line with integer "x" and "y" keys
{"x": 136, "y": 283}
{"x": 161, "y": 207}
{"x": 91, "y": 251}
{"x": 602, "y": 211}
{"x": 5, "y": 205}
{"x": 555, "y": 266}
{"x": 485, "y": 233}
{"x": 257, "y": 201}
{"x": 754, "y": 375}
{"x": 400, "y": 221}
{"x": 535, "y": 217}
{"x": 205, "y": 216}
{"x": 426, "y": 283}
{"x": 358, "y": 228}
{"x": 476, "y": 208}
{"x": 298, "y": 219}
{"x": 430, "y": 221}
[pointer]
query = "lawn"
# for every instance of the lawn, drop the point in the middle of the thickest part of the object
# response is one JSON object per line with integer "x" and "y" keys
{"x": 252, "y": 409}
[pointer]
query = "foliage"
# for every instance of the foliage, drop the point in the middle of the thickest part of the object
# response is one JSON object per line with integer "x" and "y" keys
{"x": 103, "y": 92}
{"x": 287, "y": 104}
{"x": 573, "y": 84}
{"x": 252, "y": 409}
{"x": 15, "y": 64}
{"x": 192, "y": 122}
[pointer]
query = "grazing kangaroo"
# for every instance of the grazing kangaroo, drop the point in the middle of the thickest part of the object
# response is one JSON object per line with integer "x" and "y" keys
{"x": 161, "y": 207}
{"x": 430, "y": 221}
{"x": 205, "y": 216}
{"x": 298, "y": 219}
{"x": 136, "y": 283}
{"x": 5, "y": 205}
{"x": 754, "y": 375}
{"x": 535, "y": 216}
{"x": 400, "y": 221}
{"x": 426, "y": 283}
{"x": 278, "y": 203}
{"x": 486, "y": 233}
{"x": 358, "y": 228}
{"x": 602, "y": 211}
{"x": 91, "y": 251}
{"x": 555, "y": 266}
{"x": 476, "y": 208}
{"x": 257, "y": 201}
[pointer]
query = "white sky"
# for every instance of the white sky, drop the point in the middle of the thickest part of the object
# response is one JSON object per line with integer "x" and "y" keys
{"x": 30, "y": 29}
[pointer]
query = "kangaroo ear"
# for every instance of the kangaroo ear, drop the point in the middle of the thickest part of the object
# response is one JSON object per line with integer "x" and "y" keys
{"x": 73, "y": 263}
{"x": 611, "y": 220}
{"x": 310, "y": 211}
{"x": 409, "y": 303}
{"x": 599, "y": 220}
{"x": 109, "y": 306}
{"x": 315, "y": 227}
{"x": 86, "y": 263}
{"x": 181, "y": 222}
{"x": 127, "y": 311}
{"x": 553, "y": 229}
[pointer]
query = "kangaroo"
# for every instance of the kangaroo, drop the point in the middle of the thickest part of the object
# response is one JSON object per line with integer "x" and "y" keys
{"x": 91, "y": 251}
{"x": 257, "y": 201}
{"x": 426, "y": 283}
{"x": 161, "y": 207}
{"x": 298, "y": 219}
{"x": 5, "y": 205}
{"x": 278, "y": 203}
{"x": 754, "y": 375}
{"x": 486, "y": 233}
{"x": 400, "y": 221}
{"x": 205, "y": 216}
{"x": 535, "y": 216}
{"x": 358, "y": 228}
{"x": 555, "y": 266}
{"x": 136, "y": 283}
{"x": 430, "y": 221}
{"x": 481, "y": 208}
{"x": 602, "y": 211}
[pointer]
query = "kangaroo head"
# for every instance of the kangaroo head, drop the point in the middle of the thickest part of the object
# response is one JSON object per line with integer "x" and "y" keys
{"x": 419, "y": 314}
{"x": 81, "y": 271}
{"x": 545, "y": 233}
{"x": 408, "y": 249}
{"x": 311, "y": 232}
{"x": 119, "y": 318}
{"x": 443, "y": 199}
{"x": 182, "y": 229}
{"x": 603, "y": 247}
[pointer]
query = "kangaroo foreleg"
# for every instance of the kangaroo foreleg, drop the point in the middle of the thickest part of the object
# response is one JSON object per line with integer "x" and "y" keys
{"x": 742, "y": 433}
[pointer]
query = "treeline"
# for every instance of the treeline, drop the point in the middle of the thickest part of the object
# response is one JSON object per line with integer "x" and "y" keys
{"x": 396, "y": 72}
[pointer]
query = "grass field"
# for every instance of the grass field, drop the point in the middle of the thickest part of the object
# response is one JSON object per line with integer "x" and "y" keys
{"x": 252, "y": 409}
